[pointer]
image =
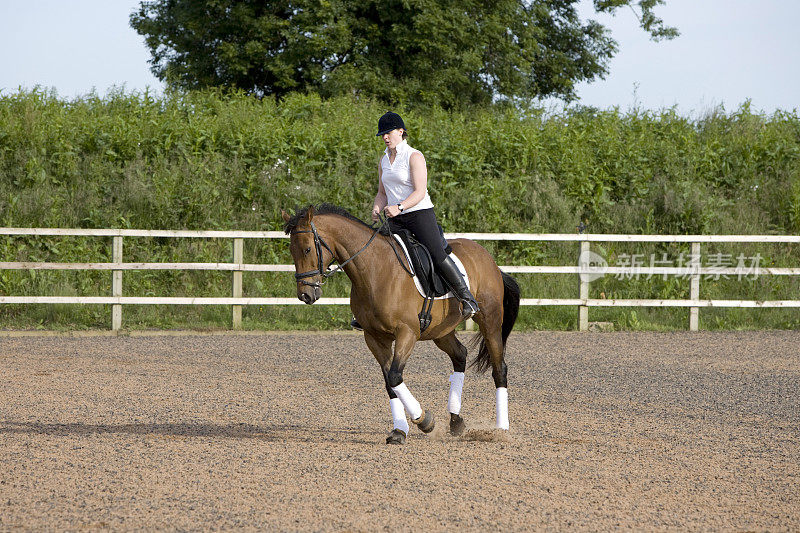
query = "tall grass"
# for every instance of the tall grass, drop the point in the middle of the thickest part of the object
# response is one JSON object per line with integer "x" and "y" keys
{"x": 210, "y": 160}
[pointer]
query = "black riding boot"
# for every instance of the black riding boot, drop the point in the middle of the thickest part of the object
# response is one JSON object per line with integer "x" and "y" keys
{"x": 453, "y": 277}
{"x": 355, "y": 325}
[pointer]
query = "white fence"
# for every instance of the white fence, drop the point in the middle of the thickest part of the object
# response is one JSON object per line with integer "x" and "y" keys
{"x": 238, "y": 266}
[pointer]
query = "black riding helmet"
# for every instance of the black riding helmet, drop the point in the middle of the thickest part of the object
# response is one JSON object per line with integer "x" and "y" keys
{"x": 388, "y": 122}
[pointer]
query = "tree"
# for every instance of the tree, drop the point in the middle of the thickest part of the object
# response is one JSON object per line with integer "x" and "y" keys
{"x": 449, "y": 52}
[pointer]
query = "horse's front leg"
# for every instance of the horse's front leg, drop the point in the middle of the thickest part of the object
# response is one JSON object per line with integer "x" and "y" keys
{"x": 404, "y": 342}
{"x": 381, "y": 348}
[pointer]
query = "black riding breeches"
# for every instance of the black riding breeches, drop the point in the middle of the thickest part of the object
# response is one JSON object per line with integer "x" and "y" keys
{"x": 423, "y": 225}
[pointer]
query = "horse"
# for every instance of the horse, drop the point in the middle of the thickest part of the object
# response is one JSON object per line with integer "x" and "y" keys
{"x": 385, "y": 302}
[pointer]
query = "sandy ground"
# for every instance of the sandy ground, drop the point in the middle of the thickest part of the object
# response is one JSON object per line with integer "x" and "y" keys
{"x": 649, "y": 431}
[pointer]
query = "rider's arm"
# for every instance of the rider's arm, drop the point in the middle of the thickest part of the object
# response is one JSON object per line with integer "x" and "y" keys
{"x": 380, "y": 198}
{"x": 419, "y": 179}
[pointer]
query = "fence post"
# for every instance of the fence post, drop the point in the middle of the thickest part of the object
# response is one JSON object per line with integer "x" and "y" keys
{"x": 238, "y": 258}
{"x": 583, "y": 311}
{"x": 694, "y": 292}
{"x": 116, "y": 284}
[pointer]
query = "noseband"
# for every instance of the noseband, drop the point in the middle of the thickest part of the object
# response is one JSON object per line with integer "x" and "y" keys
{"x": 319, "y": 243}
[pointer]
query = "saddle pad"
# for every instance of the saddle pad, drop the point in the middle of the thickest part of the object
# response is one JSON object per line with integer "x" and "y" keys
{"x": 455, "y": 258}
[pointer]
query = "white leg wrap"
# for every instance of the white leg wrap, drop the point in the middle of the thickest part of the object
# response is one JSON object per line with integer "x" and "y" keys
{"x": 409, "y": 402}
{"x": 456, "y": 386}
{"x": 398, "y": 415}
{"x": 502, "y": 407}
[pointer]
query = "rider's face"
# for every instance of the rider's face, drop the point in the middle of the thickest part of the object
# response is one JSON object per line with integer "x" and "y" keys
{"x": 393, "y": 138}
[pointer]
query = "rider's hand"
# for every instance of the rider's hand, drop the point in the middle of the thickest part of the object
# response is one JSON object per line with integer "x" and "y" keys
{"x": 391, "y": 211}
{"x": 376, "y": 214}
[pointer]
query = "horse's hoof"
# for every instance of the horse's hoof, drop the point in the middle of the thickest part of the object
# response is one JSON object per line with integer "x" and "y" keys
{"x": 425, "y": 422}
{"x": 457, "y": 425}
{"x": 397, "y": 436}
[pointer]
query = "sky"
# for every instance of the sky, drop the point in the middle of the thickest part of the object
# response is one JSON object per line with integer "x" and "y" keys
{"x": 729, "y": 51}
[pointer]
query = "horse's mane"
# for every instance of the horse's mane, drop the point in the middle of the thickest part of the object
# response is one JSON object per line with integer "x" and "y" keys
{"x": 326, "y": 209}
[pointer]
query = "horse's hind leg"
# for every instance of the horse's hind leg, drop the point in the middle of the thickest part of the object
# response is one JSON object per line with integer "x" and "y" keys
{"x": 450, "y": 345}
{"x": 493, "y": 339}
{"x": 403, "y": 343}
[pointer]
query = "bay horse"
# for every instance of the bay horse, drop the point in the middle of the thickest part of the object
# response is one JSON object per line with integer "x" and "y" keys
{"x": 385, "y": 302}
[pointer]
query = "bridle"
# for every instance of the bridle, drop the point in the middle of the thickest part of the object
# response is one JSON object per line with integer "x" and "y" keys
{"x": 319, "y": 243}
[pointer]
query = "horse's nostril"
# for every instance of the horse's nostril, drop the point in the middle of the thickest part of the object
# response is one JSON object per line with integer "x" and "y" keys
{"x": 305, "y": 298}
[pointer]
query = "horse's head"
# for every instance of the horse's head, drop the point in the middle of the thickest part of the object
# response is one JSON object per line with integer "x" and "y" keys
{"x": 311, "y": 254}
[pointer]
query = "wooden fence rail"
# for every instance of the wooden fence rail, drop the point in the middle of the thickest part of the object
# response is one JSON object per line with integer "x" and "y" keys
{"x": 585, "y": 271}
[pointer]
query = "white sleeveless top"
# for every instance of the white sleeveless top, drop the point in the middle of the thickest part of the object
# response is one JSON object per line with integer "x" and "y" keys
{"x": 396, "y": 178}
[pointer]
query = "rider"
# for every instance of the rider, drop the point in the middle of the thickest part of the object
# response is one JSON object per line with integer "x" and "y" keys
{"x": 403, "y": 196}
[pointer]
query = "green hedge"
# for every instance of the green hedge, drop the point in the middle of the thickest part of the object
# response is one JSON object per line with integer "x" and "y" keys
{"x": 211, "y": 160}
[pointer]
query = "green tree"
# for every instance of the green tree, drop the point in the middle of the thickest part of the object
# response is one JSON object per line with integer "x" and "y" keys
{"x": 447, "y": 52}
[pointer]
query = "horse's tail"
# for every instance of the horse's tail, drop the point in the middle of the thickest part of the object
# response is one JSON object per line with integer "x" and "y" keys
{"x": 511, "y": 296}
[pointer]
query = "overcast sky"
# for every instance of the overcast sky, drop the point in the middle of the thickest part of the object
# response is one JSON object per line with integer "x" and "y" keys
{"x": 728, "y": 51}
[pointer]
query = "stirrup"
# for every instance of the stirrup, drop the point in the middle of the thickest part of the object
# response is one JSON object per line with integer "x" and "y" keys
{"x": 355, "y": 325}
{"x": 468, "y": 309}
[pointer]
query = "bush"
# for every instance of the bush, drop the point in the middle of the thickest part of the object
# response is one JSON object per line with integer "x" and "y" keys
{"x": 214, "y": 160}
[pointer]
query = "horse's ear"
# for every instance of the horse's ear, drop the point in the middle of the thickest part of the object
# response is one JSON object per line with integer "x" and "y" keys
{"x": 309, "y": 213}
{"x": 285, "y": 215}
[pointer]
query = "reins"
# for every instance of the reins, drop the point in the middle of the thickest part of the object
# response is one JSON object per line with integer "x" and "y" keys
{"x": 319, "y": 242}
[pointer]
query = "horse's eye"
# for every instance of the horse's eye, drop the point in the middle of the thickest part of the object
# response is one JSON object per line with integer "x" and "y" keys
{"x": 308, "y": 251}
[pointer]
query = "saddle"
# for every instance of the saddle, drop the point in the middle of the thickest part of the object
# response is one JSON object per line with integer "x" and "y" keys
{"x": 431, "y": 282}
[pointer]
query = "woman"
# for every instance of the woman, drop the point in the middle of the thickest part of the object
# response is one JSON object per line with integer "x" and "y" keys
{"x": 403, "y": 196}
